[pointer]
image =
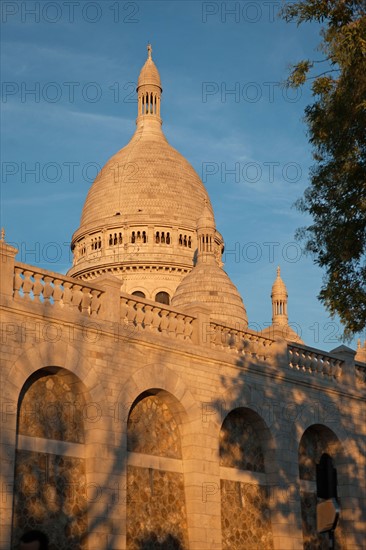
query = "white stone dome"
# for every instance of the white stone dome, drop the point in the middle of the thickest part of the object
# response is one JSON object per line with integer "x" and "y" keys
{"x": 139, "y": 220}
{"x": 146, "y": 180}
{"x": 211, "y": 286}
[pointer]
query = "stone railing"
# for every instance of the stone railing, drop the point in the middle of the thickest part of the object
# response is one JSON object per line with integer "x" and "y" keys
{"x": 360, "y": 372}
{"x": 314, "y": 362}
{"x": 41, "y": 286}
{"x": 143, "y": 314}
{"x": 245, "y": 343}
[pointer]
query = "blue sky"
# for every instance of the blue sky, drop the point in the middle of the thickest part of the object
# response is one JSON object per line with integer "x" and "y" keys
{"x": 221, "y": 65}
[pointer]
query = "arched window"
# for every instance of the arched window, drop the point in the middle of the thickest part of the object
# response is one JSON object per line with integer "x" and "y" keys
{"x": 133, "y": 237}
{"x": 162, "y": 298}
{"x": 168, "y": 238}
{"x": 51, "y": 409}
{"x": 138, "y": 293}
{"x": 318, "y": 441}
{"x": 110, "y": 242}
{"x": 144, "y": 238}
{"x": 120, "y": 238}
{"x": 245, "y": 510}
{"x": 155, "y": 495}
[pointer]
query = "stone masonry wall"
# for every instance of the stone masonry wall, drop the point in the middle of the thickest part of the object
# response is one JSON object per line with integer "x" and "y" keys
{"x": 50, "y": 494}
{"x": 156, "y": 511}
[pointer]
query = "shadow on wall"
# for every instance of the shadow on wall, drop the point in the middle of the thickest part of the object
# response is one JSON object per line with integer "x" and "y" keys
{"x": 151, "y": 542}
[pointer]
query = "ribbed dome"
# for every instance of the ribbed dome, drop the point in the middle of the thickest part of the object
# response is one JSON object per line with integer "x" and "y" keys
{"x": 146, "y": 180}
{"x": 211, "y": 286}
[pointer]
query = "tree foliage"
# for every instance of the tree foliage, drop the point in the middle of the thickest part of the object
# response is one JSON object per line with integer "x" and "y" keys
{"x": 336, "y": 121}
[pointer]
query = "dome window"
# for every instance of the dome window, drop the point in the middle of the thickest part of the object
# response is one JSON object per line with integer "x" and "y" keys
{"x": 189, "y": 242}
{"x": 110, "y": 242}
{"x": 157, "y": 237}
{"x": 139, "y": 294}
{"x": 120, "y": 238}
{"x": 144, "y": 238}
{"x": 133, "y": 237}
{"x": 168, "y": 238}
{"x": 162, "y": 298}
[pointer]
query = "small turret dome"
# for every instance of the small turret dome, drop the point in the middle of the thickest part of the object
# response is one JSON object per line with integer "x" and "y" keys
{"x": 279, "y": 289}
{"x": 211, "y": 286}
{"x": 208, "y": 283}
{"x": 149, "y": 74}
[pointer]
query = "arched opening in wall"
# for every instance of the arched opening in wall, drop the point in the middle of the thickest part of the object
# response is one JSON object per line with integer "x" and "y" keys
{"x": 156, "y": 507}
{"x": 50, "y": 423}
{"x": 318, "y": 440}
{"x": 139, "y": 293}
{"x": 245, "y": 444}
{"x": 162, "y": 298}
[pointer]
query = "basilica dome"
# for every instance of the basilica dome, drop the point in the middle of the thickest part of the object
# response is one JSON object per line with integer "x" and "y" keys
{"x": 140, "y": 216}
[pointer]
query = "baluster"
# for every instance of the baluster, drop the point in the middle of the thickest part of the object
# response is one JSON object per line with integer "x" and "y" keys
{"x": 319, "y": 364}
{"x": 47, "y": 289}
{"x": 172, "y": 324}
{"x": 37, "y": 287}
{"x": 124, "y": 309}
{"x": 164, "y": 323}
{"x": 338, "y": 369}
{"x": 67, "y": 294}
{"x": 188, "y": 328}
{"x": 261, "y": 350}
{"x": 57, "y": 292}
{"x": 18, "y": 281}
{"x": 85, "y": 301}
{"x": 77, "y": 296}
{"x": 148, "y": 317}
{"x": 140, "y": 314}
{"x": 27, "y": 283}
{"x": 312, "y": 366}
{"x": 326, "y": 367}
{"x": 180, "y": 327}
{"x": 291, "y": 357}
{"x": 155, "y": 319}
{"x": 95, "y": 302}
{"x": 131, "y": 312}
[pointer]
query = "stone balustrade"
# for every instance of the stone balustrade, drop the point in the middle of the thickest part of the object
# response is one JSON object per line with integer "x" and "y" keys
{"x": 139, "y": 314}
{"x": 41, "y": 286}
{"x": 154, "y": 317}
{"x": 314, "y": 362}
{"x": 245, "y": 343}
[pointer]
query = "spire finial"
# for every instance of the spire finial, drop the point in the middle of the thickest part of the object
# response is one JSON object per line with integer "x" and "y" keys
{"x": 2, "y": 234}
{"x": 149, "y": 51}
{"x": 278, "y": 271}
